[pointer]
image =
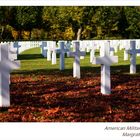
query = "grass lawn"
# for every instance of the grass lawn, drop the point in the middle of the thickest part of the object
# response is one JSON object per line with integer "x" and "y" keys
{"x": 41, "y": 92}
{"x": 32, "y": 60}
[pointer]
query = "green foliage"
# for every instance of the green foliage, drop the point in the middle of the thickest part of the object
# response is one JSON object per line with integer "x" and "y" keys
{"x": 133, "y": 19}
{"x": 27, "y": 17}
{"x": 69, "y": 23}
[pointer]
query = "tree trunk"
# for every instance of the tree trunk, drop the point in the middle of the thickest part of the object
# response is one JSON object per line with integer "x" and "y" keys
{"x": 30, "y": 35}
{"x": 2, "y": 31}
{"x": 79, "y": 33}
{"x": 19, "y": 37}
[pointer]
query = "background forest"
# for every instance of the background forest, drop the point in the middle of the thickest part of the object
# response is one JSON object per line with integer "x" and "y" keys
{"x": 69, "y": 23}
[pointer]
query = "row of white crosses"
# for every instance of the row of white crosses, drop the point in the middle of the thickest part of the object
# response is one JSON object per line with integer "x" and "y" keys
{"x": 48, "y": 49}
{"x": 43, "y": 46}
{"x": 7, "y": 64}
{"x": 94, "y": 47}
{"x": 25, "y": 45}
{"x": 91, "y": 47}
{"x": 125, "y": 44}
{"x": 52, "y": 50}
{"x": 132, "y": 48}
{"x": 105, "y": 59}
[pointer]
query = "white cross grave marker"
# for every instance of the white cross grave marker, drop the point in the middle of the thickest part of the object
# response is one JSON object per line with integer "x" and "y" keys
{"x": 44, "y": 48}
{"x": 17, "y": 46}
{"x": 138, "y": 46}
{"x": 106, "y": 60}
{"x": 62, "y": 52}
{"x": 112, "y": 50}
{"x": 76, "y": 55}
{"x": 68, "y": 46}
{"x": 101, "y": 47}
{"x": 12, "y": 52}
{"x": 6, "y": 66}
{"x": 115, "y": 44}
{"x": 24, "y": 46}
{"x": 88, "y": 43}
{"x": 82, "y": 48}
{"x": 126, "y": 47}
{"x": 49, "y": 46}
{"x": 121, "y": 46}
{"x": 133, "y": 51}
{"x": 53, "y": 49}
{"x": 94, "y": 46}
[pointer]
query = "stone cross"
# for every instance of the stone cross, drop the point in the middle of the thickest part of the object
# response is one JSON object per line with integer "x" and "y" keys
{"x": 112, "y": 47}
{"x": 12, "y": 52}
{"x": 112, "y": 50}
{"x": 17, "y": 46}
{"x": 76, "y": 55}
{"x": 138, "y": 46}
{"x": 121, "y": 46}
{"x": 49, "y": 46}
{"x": 97, "y": 44}
{"x": 25, "y": 45}
{"x": 115, "y": 44}
{"x": 44, "y": 48}
{"x": 126, "y": 48}
{"x": 85, "y": 46}
{"x": 133, "y": 51}
{"x": 93, "y": 48}
{"x": 101, "y": 44}
{"x": 53, "y": 49}
{"x": 106, "y": 60}
{"x": 6, "y": 66}
{"x": 82, "y": 48}
{"x": 68, "y": 46}
{"x": 34, "y": 44}
{"x": 62, "y": 50}
{"x": 88, "y": 45}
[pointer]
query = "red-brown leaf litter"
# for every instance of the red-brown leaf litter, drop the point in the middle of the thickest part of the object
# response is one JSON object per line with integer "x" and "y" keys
{"x": 62, "y": 98}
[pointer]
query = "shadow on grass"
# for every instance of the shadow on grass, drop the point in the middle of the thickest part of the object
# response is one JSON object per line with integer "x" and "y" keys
{"x": 124, "y": 69}
{"x": 29, "y": 56}
{"x": 85, "y": 71}
{"x": 34, "y": 56}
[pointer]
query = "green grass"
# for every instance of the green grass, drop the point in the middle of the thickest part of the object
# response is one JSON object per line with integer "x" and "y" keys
{"x": 32, "y": 60}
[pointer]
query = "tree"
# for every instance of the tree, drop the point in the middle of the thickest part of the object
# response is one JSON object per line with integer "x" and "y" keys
{"x": 122, "y": 23}
{"x": 108, "y": 19}
{"x": 133, "y": 20}
{"x": 5, "y": 19}
{"x": 69, "y": 22}
{"x": 27, "y": 18}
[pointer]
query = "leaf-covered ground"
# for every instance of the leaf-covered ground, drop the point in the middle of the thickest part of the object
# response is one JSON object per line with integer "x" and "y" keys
{"x": 50, "y": 95}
